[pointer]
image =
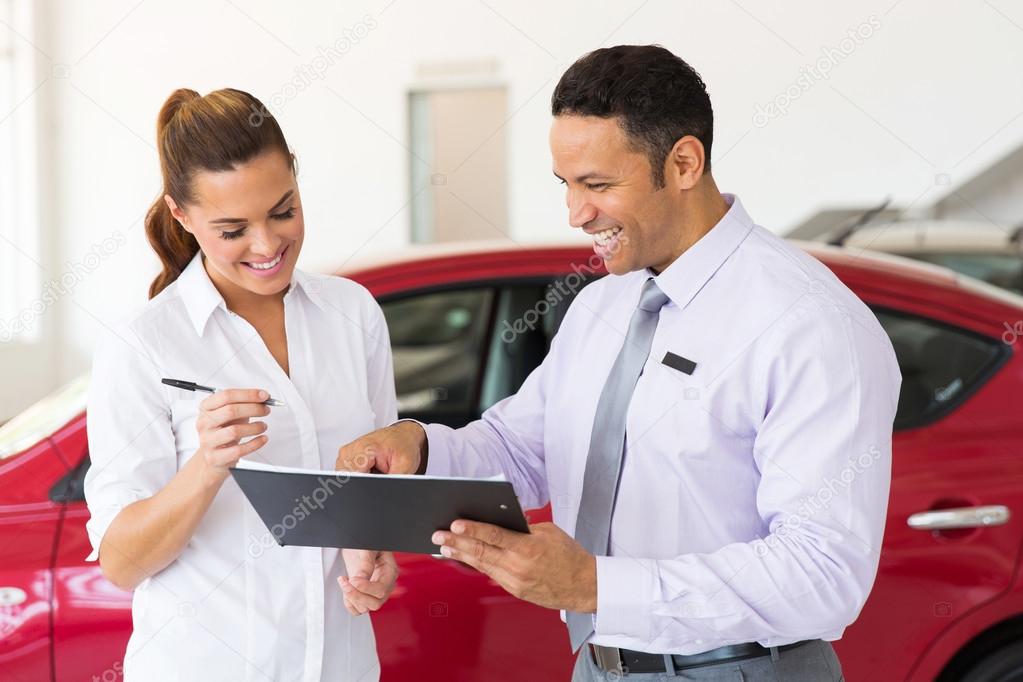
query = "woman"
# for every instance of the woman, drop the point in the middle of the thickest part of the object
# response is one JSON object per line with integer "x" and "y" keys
{"x": 215, "y": 597}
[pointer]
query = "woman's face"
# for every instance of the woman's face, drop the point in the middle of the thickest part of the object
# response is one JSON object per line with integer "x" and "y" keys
{"x": 248, "y": 222}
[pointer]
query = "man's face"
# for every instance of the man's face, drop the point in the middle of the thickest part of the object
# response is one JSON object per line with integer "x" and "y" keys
{"x": 611, "y": 194}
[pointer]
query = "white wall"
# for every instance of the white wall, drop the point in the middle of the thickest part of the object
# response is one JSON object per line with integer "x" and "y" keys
{"x": 929, "y": 98}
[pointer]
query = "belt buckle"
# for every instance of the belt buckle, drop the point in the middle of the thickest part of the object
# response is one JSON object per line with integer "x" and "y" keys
{"x": 608, "y": 658}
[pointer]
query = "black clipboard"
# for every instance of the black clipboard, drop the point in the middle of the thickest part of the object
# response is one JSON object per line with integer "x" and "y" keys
{"x": 373, "y": 511}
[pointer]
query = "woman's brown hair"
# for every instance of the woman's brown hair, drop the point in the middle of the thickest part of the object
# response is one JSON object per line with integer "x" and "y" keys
{"x": 194, "y": 133}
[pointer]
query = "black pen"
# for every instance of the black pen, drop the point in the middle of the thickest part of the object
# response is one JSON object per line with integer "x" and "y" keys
{"x": 192, "y": 386}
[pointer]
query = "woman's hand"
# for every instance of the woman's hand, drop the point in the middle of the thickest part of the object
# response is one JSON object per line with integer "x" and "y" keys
{"x": 224, "y": 419}
{"x": 370, "y": 581}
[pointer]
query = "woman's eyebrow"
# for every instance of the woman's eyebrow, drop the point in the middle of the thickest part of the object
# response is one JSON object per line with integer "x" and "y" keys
{"x": 287, "y": 195}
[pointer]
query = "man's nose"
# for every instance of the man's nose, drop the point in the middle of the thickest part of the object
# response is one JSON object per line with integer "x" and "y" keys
{"x": 580, "y": 211}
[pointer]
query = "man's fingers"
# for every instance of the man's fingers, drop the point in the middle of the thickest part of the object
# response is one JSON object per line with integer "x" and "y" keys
{"x": 468, "y": 550}
{"x": 484, "y": 532}
{"x": 358, "y": 456}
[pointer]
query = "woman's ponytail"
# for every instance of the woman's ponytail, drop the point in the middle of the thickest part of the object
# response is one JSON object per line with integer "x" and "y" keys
{"x": 214, "y": 133}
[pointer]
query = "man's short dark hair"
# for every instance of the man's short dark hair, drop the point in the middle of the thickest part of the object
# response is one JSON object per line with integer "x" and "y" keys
{"x": 656, "y": 97}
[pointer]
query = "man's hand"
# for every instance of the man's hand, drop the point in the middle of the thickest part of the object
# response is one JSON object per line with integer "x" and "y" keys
{"x": 370, "y": 581}
{"x": 396, "y": 449}
{"x": 545, "y": 566}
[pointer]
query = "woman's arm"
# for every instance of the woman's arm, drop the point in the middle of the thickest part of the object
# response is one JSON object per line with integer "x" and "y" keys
{"x": 149, "y": 534}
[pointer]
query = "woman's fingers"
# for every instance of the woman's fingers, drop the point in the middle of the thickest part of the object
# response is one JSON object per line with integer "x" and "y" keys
{"x": 230, "y": 435}
{"x": 386, "y": 571}
{"x": 229, "y": 456}
{"x": 235, "y": 412}
{"x": 358, "y": 598}
{"x": 233, "y": 395}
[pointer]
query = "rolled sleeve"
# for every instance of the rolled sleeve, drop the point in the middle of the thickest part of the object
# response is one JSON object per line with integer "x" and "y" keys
{"x": 131, "y": 443}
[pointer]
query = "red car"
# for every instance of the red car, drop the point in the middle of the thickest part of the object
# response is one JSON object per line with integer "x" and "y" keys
{"x": 948, "y": 601}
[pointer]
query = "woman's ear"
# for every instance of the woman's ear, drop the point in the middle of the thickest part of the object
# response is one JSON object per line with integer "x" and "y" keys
{"x": 177, "y": 213}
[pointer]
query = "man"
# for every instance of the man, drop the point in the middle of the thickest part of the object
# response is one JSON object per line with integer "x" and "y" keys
{"x": 712, "y": 425}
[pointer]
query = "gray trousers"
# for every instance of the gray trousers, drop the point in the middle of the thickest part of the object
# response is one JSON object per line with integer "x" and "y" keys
{"x": 813, "y": 662}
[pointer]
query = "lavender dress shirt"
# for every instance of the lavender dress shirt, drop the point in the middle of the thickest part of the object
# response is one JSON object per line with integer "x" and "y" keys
{"x": 753, "y": 491}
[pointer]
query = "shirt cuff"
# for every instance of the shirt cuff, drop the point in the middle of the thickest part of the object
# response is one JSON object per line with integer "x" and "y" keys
{"x": 96, "y": 527}
{"x": 438, "y": 461}
{"x": 100, "y": 518}
{"x": 626, "y": 591}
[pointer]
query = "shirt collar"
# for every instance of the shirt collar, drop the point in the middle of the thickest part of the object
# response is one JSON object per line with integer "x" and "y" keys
{"x": 687, "y": 274}
{"x": 201, "y": 298}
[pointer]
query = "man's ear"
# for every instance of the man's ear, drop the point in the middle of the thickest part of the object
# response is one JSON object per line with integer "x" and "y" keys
{"x": 685, "y": 163}
{"x": 177, "y": 213}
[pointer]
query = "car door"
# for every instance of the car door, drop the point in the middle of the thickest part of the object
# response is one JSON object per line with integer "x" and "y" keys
{"x": 951, "y": 466}
{"x": 91, "y": 617}
{"x": 28, "y": 526}
{"x": 453, "y": 359}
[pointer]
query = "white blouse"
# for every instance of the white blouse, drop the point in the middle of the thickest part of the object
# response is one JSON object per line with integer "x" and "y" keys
{"x": 234, "y": 605}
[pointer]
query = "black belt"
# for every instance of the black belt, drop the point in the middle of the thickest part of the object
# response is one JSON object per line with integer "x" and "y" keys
{"x": 625, "y": 661}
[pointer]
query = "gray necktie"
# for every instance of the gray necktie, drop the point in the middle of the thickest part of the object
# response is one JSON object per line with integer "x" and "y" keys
{"x": 607, "y": 441}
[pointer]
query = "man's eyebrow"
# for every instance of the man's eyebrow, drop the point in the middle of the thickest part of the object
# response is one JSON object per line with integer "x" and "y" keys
{"x": 587, "y": 176}
{"x": 287, "y": 195}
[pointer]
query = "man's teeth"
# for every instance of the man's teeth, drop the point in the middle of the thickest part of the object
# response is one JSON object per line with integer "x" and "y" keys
{"x": 266, "y": 266}
{"x": 606, "y": 236}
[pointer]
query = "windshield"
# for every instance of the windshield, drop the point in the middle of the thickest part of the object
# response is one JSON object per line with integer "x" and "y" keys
{"x": 43, "y": 418}
{"x": 999, "y": 269}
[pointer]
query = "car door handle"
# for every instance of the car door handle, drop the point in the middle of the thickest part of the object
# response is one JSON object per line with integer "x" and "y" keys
{"x": 963, "y": 517}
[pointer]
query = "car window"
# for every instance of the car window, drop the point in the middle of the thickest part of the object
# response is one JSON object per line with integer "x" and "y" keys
{"x": 43, "y": 418}
{"x": 437, "y": 339}
{"x": 941, "y": 365}
{"x": 527, "y": 316}
{"x": 999, "y": 269}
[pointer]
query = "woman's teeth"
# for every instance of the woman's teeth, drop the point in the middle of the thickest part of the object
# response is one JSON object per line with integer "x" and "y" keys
{"x": 267, "y": 266}
{"x": 604, "y": 237}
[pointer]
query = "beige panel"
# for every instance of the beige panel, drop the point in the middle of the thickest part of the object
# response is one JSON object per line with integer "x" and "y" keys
{"x": 469, "y": 181}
